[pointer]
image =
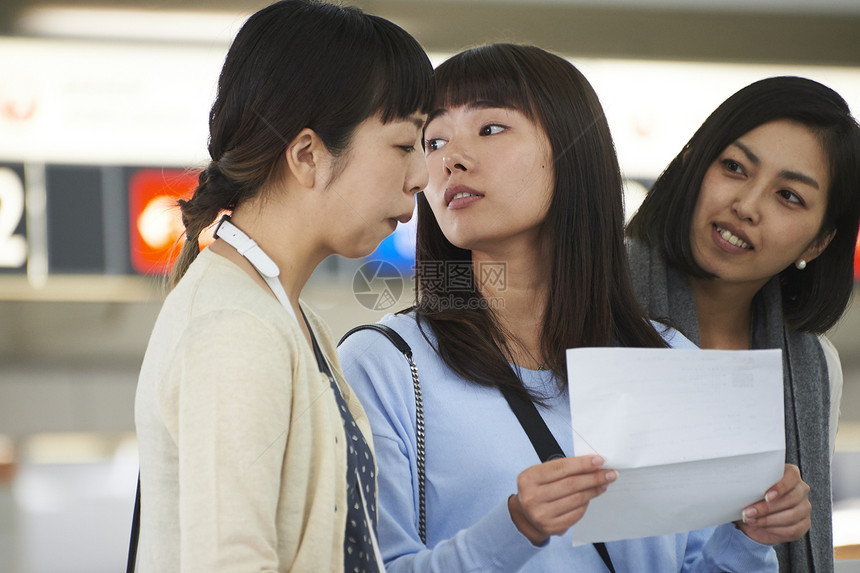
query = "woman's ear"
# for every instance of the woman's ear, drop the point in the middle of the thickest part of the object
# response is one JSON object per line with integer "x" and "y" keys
{"x": 307, "y": 158}
{"x": 818, "y": 246}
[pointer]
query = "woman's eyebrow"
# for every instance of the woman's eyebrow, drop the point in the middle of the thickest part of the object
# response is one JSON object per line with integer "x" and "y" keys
{"x": 418, "y": 121}
{"x": 800, "y": 177}
{"x": 486, "y": 104}
{"x": 748, "y": 152}
{"x": 474, "y": 106}
{"x": 436, "y": 113}
{"x": 784, "y": 174}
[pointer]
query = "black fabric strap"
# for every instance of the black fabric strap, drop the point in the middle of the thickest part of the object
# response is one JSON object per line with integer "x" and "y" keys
{"x": 322, "y": 363}
{"x": 135, "y": 531}
{"x": 544, "y": 444}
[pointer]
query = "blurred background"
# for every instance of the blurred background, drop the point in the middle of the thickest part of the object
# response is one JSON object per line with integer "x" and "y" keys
{"x": 103, "y": 119}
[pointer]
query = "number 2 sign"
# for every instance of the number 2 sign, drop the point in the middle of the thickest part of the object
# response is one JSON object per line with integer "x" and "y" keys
{"x": 13, "y": 248}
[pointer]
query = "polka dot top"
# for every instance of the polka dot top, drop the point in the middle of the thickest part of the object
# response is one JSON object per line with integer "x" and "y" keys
{"x": 357, "y": 546}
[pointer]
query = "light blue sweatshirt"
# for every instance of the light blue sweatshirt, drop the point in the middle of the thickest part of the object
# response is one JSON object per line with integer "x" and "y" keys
{"x": 475, "y": 449}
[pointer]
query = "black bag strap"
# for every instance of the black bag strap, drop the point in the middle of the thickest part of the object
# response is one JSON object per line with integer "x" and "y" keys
{"x": 135, "y": 531}
{"x": 544, "y": 444}
{"x": 404, "y": 348}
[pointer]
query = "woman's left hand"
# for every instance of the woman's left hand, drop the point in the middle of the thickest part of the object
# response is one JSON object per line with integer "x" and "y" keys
{"x": 783, "y": 515}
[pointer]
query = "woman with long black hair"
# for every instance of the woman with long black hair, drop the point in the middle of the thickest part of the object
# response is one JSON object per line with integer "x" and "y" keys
{"x": 520, "y": 256}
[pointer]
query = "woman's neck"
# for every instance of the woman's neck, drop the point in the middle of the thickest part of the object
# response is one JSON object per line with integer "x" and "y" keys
{"x": 285, "y": 238}
{"x": 724, "y": 313}
{"x": 516, "y": 288}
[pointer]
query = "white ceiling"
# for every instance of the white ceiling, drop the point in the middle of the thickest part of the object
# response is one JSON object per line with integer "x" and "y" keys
{"x": 808, "y": 32}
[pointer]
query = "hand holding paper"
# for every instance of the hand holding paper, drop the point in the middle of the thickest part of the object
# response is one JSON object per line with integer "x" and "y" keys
{"x": 785, "y": 513}
{"x": 695, "y": 435}
{"x": 553, "y": 495}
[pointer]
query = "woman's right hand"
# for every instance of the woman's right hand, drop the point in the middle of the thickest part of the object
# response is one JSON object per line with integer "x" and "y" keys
{"x": 552, "y": 496}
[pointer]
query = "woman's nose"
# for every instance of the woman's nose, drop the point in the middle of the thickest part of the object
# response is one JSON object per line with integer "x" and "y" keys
{"x": 455, "y": 158}
{"x": 747, "y": 204}
{"x": 418, "y": 176}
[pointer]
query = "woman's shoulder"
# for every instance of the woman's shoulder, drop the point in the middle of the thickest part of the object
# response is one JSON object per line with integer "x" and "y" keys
{"x": 217, "y": 298}
{"x": 672, "y": 337}
{"x": 369, "y": 350}
{"x": 405, "y": 325}
{"x": 213, "y": 283}
{"x": 830, "y": 352}
{"x": 834, "y": 364}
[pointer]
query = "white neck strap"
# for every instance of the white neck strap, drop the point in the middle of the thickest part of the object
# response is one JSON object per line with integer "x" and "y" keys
{"x": 248, "y": 248}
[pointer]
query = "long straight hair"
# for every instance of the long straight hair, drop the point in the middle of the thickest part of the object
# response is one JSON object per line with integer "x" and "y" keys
{"x": 591, "y": 300}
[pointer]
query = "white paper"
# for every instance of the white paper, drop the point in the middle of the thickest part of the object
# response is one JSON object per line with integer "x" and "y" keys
{"x": 695, "y": 435}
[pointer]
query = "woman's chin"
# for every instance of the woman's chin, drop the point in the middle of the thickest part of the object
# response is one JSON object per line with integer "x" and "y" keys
{"x": 359, "y": 248}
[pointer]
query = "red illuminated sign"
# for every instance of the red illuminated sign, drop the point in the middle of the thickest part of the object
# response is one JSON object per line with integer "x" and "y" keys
{"x": 857, "y": 261}
{"x": 155, "y": 222}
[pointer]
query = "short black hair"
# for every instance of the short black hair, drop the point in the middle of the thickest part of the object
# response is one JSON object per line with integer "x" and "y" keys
{"x": 813, "y": 299}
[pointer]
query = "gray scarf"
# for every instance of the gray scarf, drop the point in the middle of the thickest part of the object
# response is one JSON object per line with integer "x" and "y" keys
{"x": 666, "y": 296}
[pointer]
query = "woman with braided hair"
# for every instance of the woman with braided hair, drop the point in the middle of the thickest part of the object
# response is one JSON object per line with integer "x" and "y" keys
{"x": 255, "y": 455}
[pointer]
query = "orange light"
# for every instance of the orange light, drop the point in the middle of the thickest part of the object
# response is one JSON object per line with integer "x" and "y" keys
{"x": 857, "y": 260}
{"x": 155, "y": 222}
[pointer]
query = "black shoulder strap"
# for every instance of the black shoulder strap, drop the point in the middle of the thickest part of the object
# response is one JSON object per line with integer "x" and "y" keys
{"x": 392, "y": 335}
{"x": 404, "y": 348}
{"x": 544, "y": 444}
{"x": 135, "y": 531}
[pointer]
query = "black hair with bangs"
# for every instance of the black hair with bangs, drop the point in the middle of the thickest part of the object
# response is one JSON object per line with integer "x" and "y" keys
{"x": 591, "y": 300}
{"x": 299, "y": 64}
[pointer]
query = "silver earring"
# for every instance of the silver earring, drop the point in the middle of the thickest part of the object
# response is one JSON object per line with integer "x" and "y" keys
{"x": 801, "y": 264}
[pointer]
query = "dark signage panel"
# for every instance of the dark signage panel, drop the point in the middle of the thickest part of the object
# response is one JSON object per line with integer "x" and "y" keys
{"x": 75, "y": 216}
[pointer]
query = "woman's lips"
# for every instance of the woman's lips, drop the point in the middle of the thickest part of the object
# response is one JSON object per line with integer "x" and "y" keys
{"x": 460, "y": 196}
{"x": 730, "y": 238}
{"x": 400, "y": 219}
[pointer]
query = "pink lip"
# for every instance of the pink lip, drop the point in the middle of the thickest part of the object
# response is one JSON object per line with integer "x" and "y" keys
{"x": 462, "y": 202}
{"x": 724, "y": 244}
{"x": 401, "y": 219}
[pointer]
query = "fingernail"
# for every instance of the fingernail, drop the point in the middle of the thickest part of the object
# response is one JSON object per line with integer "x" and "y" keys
{"x": 611, "y": 475}
{"x": 597, "y": 461}
{"x": 749, "y": 515}
{"x": 770, "y": 496}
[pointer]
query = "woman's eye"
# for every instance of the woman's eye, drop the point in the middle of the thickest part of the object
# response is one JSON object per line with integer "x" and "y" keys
{"x": 733, "y": 166}
{"x": 492, "y": 129}
{"x": 434, "y": 144}
{"x": 790, "y": 196}
{"x": 407, "y": 148}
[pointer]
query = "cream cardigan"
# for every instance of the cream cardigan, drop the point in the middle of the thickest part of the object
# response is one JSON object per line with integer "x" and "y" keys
{"x": 242, "y": 447}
